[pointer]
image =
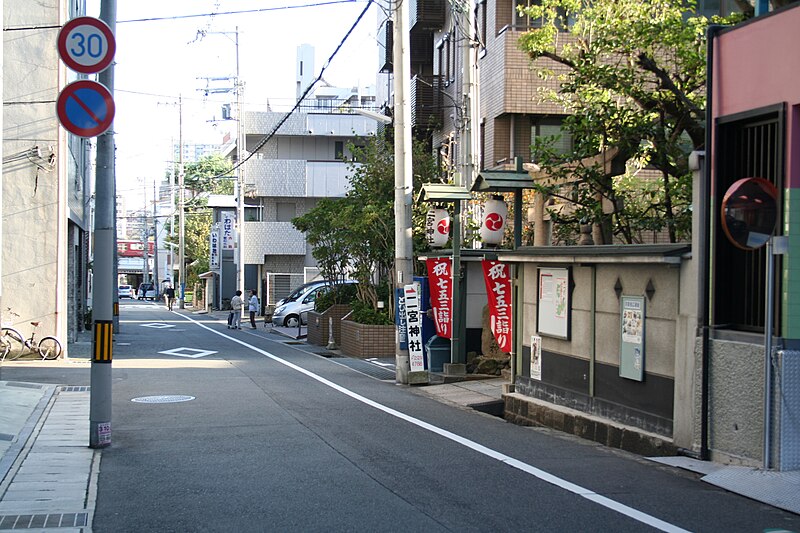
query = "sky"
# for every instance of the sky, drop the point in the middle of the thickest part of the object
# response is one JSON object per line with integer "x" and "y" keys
{"x": 166, "y": 56}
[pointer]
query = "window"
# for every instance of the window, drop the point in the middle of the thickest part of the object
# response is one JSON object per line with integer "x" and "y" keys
{"x": 285, "y": 212}
{"x": 480, "y": 22}
{"x": 544, "y": 132}
{"x": 522, "y": 22}
{"x": 338, "y": 150}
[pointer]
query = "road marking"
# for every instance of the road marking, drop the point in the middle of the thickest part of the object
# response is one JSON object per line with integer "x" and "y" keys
{"x": 583, "y": 492}
{"x": 375, "y": 361}
{"x": 157, "y": 325}
{"x": 192, "y": 353}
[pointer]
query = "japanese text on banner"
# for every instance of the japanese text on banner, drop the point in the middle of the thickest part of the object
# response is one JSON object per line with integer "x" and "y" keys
{"x": 441, "y": 286}
{"x": 498, "y": 289}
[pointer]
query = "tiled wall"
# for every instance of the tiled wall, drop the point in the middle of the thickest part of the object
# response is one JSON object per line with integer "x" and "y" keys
{"x": 359, "y": 340}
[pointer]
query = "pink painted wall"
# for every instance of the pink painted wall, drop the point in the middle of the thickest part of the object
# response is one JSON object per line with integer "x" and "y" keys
{"x": 757, "y": 65}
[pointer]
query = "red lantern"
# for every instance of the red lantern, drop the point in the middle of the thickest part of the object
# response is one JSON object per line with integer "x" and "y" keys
{"x": 494, "y": 221}
{"x": 437, "y": 227}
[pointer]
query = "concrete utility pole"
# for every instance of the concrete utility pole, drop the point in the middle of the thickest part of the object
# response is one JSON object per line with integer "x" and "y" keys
{"x": 241, "y": 151}
{"x": 155, "y": 241}
{"x": 104, "y": 257}
{"x": 403, "y": 176}
{"x": 181, "y": 217}
{"x": 467, "y": 172}
{"x": 145, "y": 244}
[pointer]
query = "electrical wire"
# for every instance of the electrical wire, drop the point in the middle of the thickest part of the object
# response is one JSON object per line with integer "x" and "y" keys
{"x": 219, "y": 13}
{"x": 281, "y": 122}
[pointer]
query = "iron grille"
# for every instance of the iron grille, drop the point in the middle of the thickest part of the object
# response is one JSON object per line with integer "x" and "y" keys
{"x": 748, "y": 145}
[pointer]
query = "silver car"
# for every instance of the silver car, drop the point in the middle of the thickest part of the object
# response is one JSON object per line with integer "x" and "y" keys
{"x": 292, "y": 312}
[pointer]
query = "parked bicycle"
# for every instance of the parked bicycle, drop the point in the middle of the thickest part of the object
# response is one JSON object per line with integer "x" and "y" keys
{"x": 13, "y": 345}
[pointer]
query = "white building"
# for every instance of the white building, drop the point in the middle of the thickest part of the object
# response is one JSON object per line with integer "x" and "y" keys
{"x": 306, "y": 160}
{"x": 46, "y": 178}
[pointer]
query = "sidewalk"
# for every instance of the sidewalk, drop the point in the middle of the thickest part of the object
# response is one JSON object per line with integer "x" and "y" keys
{"x": 48, "y": 471}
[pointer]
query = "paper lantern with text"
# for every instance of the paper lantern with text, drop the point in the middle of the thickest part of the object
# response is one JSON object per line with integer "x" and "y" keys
{"x": 493, "y": 226}
{"x": 437, "y": 227}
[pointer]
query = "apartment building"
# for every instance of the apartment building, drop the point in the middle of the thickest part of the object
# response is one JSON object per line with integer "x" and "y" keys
{"x": 306, "y": 158}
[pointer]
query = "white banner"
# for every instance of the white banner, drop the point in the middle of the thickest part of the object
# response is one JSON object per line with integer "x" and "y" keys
{"x": 213, "y": 261}
{"x": 228, "y": 230}
{"x": 416, "y": 357}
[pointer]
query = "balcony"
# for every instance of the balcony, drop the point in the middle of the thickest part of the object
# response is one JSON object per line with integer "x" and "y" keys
{"x": 297, "y": 178}
{"x": 271, "y": 238}
{"x": 426, "y": 15}
{"x": 427, "y": 111}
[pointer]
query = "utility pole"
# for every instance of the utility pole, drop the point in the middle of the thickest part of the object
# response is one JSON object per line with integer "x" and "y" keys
{"x": 466, "y": 175}
{"x": 241, "y": 151}
{"x": 181, "y": 217}
{"x": 155, "y": 241}
{"x": 104, "y": 257}
{"x": 145, "y": 244}
{"x": 403, "y": 176}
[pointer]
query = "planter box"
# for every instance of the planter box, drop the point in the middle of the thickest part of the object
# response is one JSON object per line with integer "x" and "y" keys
{"x": 360, "y": 340}
{"x": 318, "y": 325}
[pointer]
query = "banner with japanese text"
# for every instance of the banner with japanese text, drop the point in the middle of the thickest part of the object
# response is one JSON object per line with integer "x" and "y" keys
{"x": 228, "y": 230}
{"x": 498, "y": 289}
{"x": 440, "y": 280}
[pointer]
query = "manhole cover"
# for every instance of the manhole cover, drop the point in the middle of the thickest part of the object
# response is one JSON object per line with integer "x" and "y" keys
{"x": 163, "y": 399}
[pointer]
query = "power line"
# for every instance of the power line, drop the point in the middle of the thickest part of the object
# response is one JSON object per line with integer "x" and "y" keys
{"x": 262, "y": 10}
{"x": 271, "y": 134}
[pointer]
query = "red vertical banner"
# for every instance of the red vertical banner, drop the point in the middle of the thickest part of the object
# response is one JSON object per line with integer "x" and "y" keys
{"x": 498, "y": 288}
{"x": 440, "y": 280}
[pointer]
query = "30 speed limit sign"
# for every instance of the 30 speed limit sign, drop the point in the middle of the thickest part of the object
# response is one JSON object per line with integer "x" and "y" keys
{"x": 86, "y": 45}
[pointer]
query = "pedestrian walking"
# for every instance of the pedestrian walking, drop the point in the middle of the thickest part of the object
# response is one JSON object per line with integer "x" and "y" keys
{"x": 169, "y": 294}
{"x": 252, "y": 306}
{"x": 235, "y": 318}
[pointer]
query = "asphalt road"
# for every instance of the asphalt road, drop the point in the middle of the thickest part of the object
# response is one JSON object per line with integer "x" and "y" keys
{"x": 279, "y": 439}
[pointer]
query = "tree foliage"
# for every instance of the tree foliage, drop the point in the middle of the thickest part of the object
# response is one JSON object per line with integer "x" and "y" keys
{"x": 201, "y": 178}
{"x": 353, "y": 236}
{"x": 631, "y": 76}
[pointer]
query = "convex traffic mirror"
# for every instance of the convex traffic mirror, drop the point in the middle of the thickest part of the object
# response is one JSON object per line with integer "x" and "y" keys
{"x": 750, "y": 212}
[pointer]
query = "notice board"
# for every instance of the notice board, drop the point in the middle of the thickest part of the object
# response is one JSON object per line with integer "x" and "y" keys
{"x": 554, "y": 305}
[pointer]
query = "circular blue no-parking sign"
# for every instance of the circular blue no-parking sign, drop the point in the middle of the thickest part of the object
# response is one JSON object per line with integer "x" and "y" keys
{"x": 85, "y": 108}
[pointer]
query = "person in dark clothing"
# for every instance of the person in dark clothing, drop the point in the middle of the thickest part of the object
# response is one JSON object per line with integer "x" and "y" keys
{"x": 169, "y": 294}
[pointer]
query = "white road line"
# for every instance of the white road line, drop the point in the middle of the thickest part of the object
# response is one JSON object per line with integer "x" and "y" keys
{"x": 590, "y": 495}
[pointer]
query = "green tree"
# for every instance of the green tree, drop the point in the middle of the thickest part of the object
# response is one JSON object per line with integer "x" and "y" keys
{"x": 631, "y": 76}
{"x": 209, "y": 175}
{"x": 354, "y": 236}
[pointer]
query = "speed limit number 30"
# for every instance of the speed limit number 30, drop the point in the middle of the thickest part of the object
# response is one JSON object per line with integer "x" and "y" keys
{"x": 86, "y": 45}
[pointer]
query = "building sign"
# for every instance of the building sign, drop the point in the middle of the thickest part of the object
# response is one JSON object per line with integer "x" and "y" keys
{"x": 441, "y": 284}
{"x": 213, "y": 261}
{"x": 631, "y": 346}
{"x": 413, "y": 313}
{"x": 498, "y": 289}
{"x": 227, "y": 230}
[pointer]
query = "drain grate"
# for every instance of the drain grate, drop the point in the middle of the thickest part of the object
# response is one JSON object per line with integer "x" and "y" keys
{"x": 39, "y": 521}
{"x": 75, "y": 388}
{"x": 175, "y": 398}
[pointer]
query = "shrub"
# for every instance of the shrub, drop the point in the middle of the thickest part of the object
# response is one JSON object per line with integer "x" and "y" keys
{"x": 365, "y": 314}
{"x": 344, "y": 293}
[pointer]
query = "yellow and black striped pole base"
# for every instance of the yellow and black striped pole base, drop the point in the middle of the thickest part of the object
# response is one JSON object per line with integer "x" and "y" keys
{"x": 103, "y": 336}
